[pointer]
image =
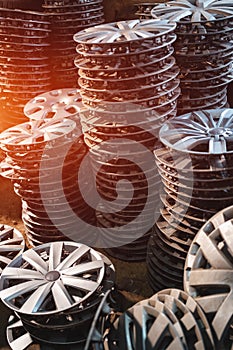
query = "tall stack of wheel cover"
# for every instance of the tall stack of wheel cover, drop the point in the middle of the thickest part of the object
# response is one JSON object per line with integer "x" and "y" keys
{"x": 42, "y": 160}
{"x": 170, "y": 319}
{"x": 203, "y": 50}
{"x": 67, "y": 18}
{"x": 59, "y": 293}
{"x": 195, "y": 165}
{"x": 129, "y": 87}
{"x": 24, "y": 62}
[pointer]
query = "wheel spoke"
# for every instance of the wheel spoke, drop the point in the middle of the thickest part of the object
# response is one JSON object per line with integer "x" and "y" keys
{"x": 37, "y": 112}
{"x": 34, "y": 302}
{"x": 35, "y": 261}
{"x": 73, "y": 257}
{"x": 188, "y": 142}
{"x": 204, "y": 119}
{"x": 212, "y": 253}
{"x": 224, "y": 313}
{"x": 209, "y": 277}
{"x": 190, "y": 125}
{"x": 61, "y": 296}
{"x": 5, "y": 260}
{"x": 80, "y": 283}
{"x": 217, "y": 145}
{"x": 10, "y": 248}
{"x": 22, "y": 342}
{"x": 110, "y": 38}
{"x": 207, "y": 15}
{"x": 179, "y": 15}
{"x": 55, "y": 254}
{"x": 211, "y": 303}
{"x": 17, "y": 273}
{"x": 226, "y": 233}
{"x": 157, "y": 329}
{"x": 20, "y": 289}
{"x": 12, "y": 240}
{"x": 83, "y": 268}
{"x": 226, "y": 118}
{"x": 185, "y": 131}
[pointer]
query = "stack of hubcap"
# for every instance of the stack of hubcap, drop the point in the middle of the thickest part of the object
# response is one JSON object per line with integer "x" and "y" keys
{"x": 43, "y": 159}
{"x": 128, "y": 83}
{"x": 209, "y": 271}
{"x": 203, "y": 50}
{"x": 170, "y": 319}
{"x": 195, "y": 164}
{"x": 56, "y": 290}
{"x": 68, "y": 17}
{"x": 24, "y": 41}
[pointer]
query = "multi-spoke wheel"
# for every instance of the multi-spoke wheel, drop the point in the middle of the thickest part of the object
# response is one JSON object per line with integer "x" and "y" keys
{"x": 39, "y": 280}
{"x": 56, "y": 289}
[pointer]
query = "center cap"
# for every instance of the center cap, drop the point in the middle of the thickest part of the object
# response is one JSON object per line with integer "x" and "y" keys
{"x": 52, "y": 276}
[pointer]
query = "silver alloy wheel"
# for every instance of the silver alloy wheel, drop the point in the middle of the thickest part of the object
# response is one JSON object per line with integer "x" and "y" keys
{"x": 51, "y": 278}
